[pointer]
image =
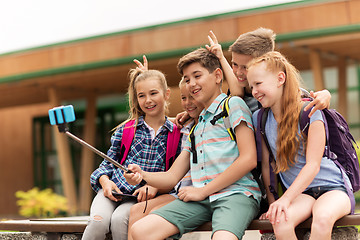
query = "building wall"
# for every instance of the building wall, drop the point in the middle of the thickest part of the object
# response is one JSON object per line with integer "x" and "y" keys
{"x": 16, "y": 153}
{"x": 16, "y": 123}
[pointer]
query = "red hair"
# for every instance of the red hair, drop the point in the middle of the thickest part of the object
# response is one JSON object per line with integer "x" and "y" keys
{"x": 288, "y": 139}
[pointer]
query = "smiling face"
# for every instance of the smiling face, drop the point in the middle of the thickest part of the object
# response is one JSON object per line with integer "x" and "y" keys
{"x": 266, "y": 86}
{"x": 238, "y": 64}
{"x": 203, "y": 86}
{"x": 151, "y": 97}
{"x": 188, "y": 103}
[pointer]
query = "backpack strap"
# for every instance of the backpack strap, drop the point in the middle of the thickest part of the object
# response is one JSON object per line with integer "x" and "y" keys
{"x": 172, "y": 143}
{"x": 304, "y": 122}
{"x": 192, "y": 141}
{"x": 225, "y": 115}
{"x": 227, "y": 120}
{"x": 261, "y": 122}
{"x": 126, "y": 139}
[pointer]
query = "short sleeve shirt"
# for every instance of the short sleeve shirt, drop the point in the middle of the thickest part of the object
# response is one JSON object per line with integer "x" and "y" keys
{"x": 329, "y": 174}
{"x": 216, "y": 151}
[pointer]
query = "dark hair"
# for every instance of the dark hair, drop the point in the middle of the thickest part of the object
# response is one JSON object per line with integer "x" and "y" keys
{"x": 201, "y": 55}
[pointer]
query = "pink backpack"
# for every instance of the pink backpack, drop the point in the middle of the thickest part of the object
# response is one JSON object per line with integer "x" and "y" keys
{"x": 173, "y": 140}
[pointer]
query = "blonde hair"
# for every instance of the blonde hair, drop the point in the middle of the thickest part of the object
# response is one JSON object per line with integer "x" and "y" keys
{"x": 182, "y": 82}
{"x": 288, "y": 139}
{"x": 136, "y": 76}
{"x": 255, "y": 43}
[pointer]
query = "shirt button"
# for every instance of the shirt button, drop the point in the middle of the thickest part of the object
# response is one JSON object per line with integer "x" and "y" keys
{"x": 200, "y": 151}
{"x": 205, "y": 183}
{"x": 146, "y": 161}
{"x": 200, "y": 135}
{"x": 202, "y": 168}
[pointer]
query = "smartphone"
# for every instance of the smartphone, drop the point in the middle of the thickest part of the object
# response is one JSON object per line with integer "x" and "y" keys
{"x": 124, "y": 197}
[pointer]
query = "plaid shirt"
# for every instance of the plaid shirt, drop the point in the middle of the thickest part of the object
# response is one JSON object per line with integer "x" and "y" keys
{"x": 148, "y": 154}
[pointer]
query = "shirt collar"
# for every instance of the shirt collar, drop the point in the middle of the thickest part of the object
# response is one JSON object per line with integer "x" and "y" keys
{"x": 214, "y": 105}
{"x": 187, "y": 127}
{"x": 141, "y": 121}
{"x": 168, "y": 124}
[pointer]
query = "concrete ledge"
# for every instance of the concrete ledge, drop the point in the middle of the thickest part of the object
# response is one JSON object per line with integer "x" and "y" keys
{"x": 348, "y": 220}
{"x": 67, "y": 225}
{"x": 340, "y": 233}
{"x": 41, "y": 236}
{"x": 22, "y": 236}
{"x": 74, "y": 225}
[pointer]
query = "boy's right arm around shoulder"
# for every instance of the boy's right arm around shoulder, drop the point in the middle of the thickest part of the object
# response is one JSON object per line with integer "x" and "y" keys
{"x": 230, "y": 77}
{"x": 161, "y": 180}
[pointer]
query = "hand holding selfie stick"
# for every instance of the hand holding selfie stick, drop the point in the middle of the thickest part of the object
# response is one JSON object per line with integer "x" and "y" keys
{"x": 62, "y": 115}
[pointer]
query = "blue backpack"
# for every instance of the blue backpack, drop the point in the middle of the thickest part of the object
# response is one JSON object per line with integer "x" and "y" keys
{"x": 339, "y": 146}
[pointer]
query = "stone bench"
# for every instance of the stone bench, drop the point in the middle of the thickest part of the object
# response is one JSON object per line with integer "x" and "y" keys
{"x": 72, "y": 228}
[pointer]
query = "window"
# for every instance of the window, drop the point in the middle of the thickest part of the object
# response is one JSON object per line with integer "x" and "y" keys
{"x": 46, "y": 167}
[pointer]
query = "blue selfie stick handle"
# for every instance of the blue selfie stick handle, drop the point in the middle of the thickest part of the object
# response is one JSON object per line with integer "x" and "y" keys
{"x": 62, "y": 115}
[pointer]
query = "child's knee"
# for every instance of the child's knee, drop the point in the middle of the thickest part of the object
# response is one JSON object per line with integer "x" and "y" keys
{"x": 119, "y": 219}
{"x": 97, "y": 218}
{"x": 137, "y": 231}
{"x": 322, "y": 222}
{"x": 283, "y": 228}
{"x": 98, "y": 224}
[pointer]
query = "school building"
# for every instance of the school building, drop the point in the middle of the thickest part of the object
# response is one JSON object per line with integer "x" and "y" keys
{"x": 321, "y": 38}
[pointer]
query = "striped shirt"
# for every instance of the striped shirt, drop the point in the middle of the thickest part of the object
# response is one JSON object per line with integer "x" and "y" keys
{"x": 148, "y": 153}
{"x": 186, "y": 180}
{"x": 216, "y": 151}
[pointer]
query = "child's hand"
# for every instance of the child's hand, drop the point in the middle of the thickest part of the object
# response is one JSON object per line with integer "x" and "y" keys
{"x": 135, "y": 176}
{"x": 142, "y": 67}
{"x": 107, "y": 186}
{"x": 141, "y": 193}
{"x": 320, "y": 102}
{"x": 188, "y": 194}
{"x": 181, "y": 118}
{"x": 276, "y": 209}
{"x": 214, "y": 47}
{"x": 263, "y": 216}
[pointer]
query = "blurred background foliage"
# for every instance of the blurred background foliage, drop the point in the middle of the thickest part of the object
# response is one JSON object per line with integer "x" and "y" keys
{"x": 41, "y": 203}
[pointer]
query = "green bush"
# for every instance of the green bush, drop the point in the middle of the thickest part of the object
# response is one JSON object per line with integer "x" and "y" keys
{"x": 44, "y": 203}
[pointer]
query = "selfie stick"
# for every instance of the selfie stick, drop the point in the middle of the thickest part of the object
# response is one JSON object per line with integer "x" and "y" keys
{"x": 62, "y": 115}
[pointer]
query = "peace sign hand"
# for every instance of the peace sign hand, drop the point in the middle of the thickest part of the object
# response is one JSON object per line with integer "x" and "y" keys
{"x": 214, "y": 47}
{"x": 140, "y": 66}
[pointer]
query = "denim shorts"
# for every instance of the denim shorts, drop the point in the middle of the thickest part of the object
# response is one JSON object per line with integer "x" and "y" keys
{"x": 316, "y": 192}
